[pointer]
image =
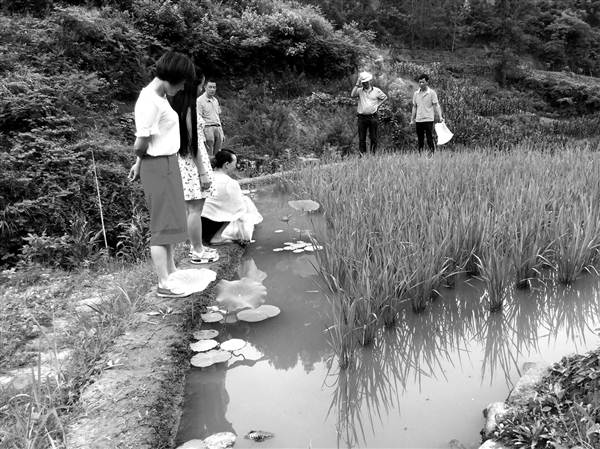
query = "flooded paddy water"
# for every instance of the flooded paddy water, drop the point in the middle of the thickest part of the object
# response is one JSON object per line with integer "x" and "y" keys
{"x": 422, "y": 385}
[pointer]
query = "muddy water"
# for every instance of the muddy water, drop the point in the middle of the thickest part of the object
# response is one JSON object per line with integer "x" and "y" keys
{"x": 422, "y": 386}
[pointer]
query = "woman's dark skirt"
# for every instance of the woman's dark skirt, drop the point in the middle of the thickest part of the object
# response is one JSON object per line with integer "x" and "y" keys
{"x": 164, "y": 196}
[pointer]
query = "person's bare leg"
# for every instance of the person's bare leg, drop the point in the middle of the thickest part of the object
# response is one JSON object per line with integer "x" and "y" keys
{"x": 160, "y": 260}
{"x": 194, "y": 223}
{"x": 171, "y": 259}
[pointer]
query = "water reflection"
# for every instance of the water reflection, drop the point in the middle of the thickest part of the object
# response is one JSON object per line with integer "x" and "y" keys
{"x": 425, "y": 346}
{"x": 201, "y": 420}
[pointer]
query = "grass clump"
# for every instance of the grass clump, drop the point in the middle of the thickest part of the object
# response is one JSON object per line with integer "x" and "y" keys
{"x": 62, "y": 344}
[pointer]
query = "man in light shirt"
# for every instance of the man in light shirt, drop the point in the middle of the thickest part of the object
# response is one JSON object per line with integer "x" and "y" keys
{"x": 209, "y": 111}
{"x": 369, "y": 100}
{"x": 425, "y": 112}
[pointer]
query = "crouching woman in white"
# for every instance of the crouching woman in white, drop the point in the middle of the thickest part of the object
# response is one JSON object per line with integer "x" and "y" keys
{"x": 156, "y": 146}
{"x": 228, "y": 215}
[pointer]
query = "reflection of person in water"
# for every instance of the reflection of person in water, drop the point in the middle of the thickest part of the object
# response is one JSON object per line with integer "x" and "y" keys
{"x": 297, "y": 320}
{"x": 205, "y": 407}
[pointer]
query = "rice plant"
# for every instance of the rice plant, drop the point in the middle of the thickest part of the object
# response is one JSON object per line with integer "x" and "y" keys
{"x": 399, "y": 227}
{"x": 576, "y": 240}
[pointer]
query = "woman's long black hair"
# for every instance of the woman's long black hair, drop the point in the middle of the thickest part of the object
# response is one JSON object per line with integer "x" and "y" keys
{"x": 183, "y": 101}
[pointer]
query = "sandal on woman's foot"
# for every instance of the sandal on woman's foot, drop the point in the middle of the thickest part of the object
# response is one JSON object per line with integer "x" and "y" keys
{"x": 204, "y": 257}
{"x": 165, "y": 292}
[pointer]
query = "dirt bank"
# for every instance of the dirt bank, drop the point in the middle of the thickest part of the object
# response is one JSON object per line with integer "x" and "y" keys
{"x": 94, "y": 359}
{"x": 136, "y": 403}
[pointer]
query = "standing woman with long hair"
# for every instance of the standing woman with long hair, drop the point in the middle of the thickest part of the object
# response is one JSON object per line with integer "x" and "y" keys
{"x": 156, "y": 146}
{"x": 196, "y": 172}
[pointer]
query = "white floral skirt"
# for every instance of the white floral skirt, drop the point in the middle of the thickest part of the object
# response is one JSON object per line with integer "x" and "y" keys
{"x": 190, "y": 179}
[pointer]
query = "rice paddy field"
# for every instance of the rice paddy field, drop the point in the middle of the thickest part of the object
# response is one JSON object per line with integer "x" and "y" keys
{"x": 422, "y": 382}
{"x": 401, "y": 227}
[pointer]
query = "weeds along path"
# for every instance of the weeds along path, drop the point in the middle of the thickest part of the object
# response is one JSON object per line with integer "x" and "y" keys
{"x": 107, "y": 367}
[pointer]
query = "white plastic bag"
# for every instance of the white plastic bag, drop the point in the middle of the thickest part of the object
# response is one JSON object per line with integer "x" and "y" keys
{"x": 443, "y": 133}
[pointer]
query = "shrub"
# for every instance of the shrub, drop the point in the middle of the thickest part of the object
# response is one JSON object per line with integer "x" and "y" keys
{"x": 104, "y": 41}
{"x": 38, "y": 8}
{"x": 79, "y": 248}
{"x": 49, "y": 182}
{"x": 262, "y": 36}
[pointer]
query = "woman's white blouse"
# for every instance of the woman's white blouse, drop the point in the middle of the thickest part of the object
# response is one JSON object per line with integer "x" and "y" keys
{"x": 227, "y": 202}
{"x": 155, "y": 118}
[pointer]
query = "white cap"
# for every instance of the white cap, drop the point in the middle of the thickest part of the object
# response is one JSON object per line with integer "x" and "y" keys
{"x": 363, "y": 77}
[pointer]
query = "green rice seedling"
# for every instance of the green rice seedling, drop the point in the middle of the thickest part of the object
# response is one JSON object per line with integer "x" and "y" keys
{"x": 400, "y": 227}
{"x": 576, "y": 240}
{"x": 496, "y": 270}
{"x": 342, "y": 333}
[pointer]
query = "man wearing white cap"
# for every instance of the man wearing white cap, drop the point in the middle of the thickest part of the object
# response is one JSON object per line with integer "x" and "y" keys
{"x": 369, "y": 100}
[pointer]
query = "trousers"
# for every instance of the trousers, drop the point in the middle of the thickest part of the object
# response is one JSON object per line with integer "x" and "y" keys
{"x": 425, "y": 129}
{"x": 367, "y": 123}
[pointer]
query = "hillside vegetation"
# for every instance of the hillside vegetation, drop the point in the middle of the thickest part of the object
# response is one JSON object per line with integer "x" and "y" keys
{"x": 71, "y": 70}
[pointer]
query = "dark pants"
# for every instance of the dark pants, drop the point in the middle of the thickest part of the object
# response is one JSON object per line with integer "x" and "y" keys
{"x": 210, "y": 228}
{"x": 367, "y": 122}
{"x": 425, "y": 129}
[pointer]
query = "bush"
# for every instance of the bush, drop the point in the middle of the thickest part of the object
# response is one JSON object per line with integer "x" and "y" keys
{"x": 104, "y": 41}
{"x": 79, "y": 248}
{"x": 38, "y": 8}
{"x": 249, "y": 37}
{"x": 47, "y": 183}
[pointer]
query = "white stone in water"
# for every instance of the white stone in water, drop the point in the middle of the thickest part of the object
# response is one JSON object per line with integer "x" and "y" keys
{"x": 205, "y": 359}
{"x": 269, "y": 310}
{"x": 233, "y": 344}
{"x": 211, "y": 317}
{"x": 493, "y": 413}
{"x": 203, "y": 345}
{"x": 206, "y": 334}
{"x": 309, "y": 248}
{"x": 277, "y": 250}
{"x": 221, "y": 440}
{"x": 297, "y": 251}
{"x": 289, "y": 243}
{"x": 278, "y": 231}
{"x": 288, "y": 248}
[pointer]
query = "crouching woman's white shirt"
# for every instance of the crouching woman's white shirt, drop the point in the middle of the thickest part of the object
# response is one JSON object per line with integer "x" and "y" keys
{"x": 229, "y": 204}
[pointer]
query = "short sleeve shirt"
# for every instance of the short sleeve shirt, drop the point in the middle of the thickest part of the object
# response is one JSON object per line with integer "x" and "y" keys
{"x": 155, "y": 118}
{"x": 209, "y": 109}
{"x": 369, "y": 100}
{"x": 425, "y": 103}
